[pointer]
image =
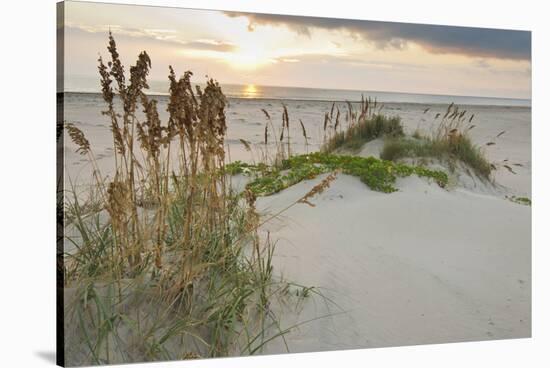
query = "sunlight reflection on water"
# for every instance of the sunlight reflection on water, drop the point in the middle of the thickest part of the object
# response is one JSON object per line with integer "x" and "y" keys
{"x": 250, "y": 91}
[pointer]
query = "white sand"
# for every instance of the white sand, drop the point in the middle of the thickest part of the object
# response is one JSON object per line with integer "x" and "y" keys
{"x": 422, "y": 265}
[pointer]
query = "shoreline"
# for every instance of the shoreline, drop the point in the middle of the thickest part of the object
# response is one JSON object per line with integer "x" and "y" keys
{"x": 267, "y": 99}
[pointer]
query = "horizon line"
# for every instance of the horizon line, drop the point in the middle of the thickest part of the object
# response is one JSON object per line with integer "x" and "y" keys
{"x": 320, "y": 88}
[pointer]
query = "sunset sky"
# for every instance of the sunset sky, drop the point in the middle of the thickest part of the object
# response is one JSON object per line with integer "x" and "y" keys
{"x": 278, "y": 50}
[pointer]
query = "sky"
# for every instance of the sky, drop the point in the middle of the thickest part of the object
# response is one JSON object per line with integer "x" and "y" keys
{"x": 279, "y": 50}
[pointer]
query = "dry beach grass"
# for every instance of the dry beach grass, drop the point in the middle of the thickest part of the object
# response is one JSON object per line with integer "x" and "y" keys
{"x": 167, "y": 262}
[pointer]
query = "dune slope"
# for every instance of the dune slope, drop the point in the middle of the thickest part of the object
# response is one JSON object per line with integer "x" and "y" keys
{"x": 422, "y": 265}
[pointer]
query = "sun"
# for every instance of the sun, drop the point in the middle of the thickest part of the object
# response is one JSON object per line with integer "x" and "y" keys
{"x": 246, "y": 58}
{"x": 250, "y": 54}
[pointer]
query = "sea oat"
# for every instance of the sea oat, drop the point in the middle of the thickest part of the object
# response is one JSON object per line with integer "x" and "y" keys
{"x": 78, "y": 138}
{"x": 318, "y": 189}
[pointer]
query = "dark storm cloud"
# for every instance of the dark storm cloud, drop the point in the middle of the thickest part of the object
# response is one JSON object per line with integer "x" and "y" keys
{"x": 478, "y": 42}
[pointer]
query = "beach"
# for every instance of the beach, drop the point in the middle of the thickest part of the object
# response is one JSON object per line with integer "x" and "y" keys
{"x": 247, "y": 121}
{"x": 422, "y": 265}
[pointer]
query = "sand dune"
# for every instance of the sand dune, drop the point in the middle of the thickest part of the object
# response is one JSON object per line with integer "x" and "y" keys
{"x": 422, "y": 265}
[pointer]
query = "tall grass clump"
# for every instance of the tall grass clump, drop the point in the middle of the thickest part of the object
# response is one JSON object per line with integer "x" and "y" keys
{"x": 450, "y": 142}
{"x": 281, "y": 138}
{"x": 363, "y": 125}
{"x": 166, "y": 262}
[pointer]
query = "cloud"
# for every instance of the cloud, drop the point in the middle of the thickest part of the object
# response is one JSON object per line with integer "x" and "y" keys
{"x": 437, "y": 39}
{"x": 164, "y": 35}
{"x": 482, "y": 63}
{"x": 213, "y": 45}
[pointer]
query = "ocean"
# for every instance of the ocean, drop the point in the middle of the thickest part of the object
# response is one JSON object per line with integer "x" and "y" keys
{"x": 251, "y": 91}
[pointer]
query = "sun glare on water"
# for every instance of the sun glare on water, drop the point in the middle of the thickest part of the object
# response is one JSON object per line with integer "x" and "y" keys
{"x": 250, "y": 91}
